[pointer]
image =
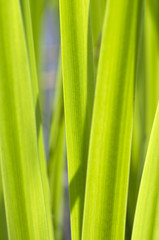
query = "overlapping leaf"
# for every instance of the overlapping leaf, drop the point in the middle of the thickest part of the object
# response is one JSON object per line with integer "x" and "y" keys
{"x": 78, "y": 79}
{"x": 110, "y": 143}
{"x": 146, "y": 223}
{"x": 35, "y": 85}
{"x": 56, "y": 164}
{"x": 23, "y": 185}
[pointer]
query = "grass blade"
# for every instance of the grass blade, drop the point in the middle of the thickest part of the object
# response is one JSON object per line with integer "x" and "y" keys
{"x": 138, "y": 142}
{"x": 37, "y": 8}
{"x": 110, "y": 143}
{"x": 78, "y": 82}
{"x": 56, "y": 164}
{"x": 148, "y": 95}
{"x": 3, "y": 223}
{"x": 152, "y": 61}
{"x": 146, "y": 223}
{"x": 34, "y": 79}
{"x": 97, "y": 9}
{"x": 21, "y": 172}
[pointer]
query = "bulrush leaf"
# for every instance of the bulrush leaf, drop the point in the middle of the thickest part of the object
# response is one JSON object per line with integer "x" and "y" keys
{"x": 146, "y": 223}
{"x": 56, "y": 164}
{"x": 97, "y": 11}
{"x": 111, "y": 134}
{"x": 151, "y": 31}
{"x": 97, "y": 17}
{"x": 3, "y": 224}
{"x": 34, "y": 80}
{"x": 37, "y": 7}
{"x": 21, "y": 170}
{"x": 78, "y": 79}
{"x": 147, "y": 92}
{"x": 138, "y": 142}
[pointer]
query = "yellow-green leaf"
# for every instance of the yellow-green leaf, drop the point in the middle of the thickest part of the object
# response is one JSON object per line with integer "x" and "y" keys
{"x": 78, "y": 84}
{"x": 146, "y": 222}
{"x": 111, "y": 134}
{"x": 56, "y": 164}
{"x": 20, "y": 165}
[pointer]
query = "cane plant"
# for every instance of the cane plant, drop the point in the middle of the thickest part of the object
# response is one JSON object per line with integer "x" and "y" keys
{"x": 106, "y": 99}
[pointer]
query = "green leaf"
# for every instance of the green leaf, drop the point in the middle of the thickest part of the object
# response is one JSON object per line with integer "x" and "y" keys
{"x": 56, "y": 164}
{"x": 152, "y": 61}
{"x": 147, "y": 97}
{"x": 97, "y": 9}
{"x": 56, "y": 177}
{"x": 78, "y": 83}
{"x": 111, "y": 134}
{"x": 3, "y": 223}
{"x": 37, "y": 8}
{"x": 138, "y": 142}
{"x": 146, "y": 223}
{"x": 34, "y": 79}
{"x": 21, "y": 171}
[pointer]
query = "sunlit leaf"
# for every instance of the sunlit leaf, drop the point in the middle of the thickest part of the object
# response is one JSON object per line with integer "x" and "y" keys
{"x": 146, "y": 223}
{"x": 21, "y": 170}
{"x": 111, "y": 134}
{"x": 56, "y": 164}
{"x": 78, "y": 82}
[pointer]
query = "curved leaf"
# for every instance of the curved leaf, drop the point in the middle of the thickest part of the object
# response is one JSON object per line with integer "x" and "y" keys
{"x": 111, "y": 134}
{"x": 146, "y": 223}
{"x": 21, "y": 171}
{"x": 78, "y": 84}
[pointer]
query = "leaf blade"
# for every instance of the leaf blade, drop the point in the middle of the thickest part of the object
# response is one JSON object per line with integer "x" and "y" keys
{"x": 78, "y": 83}
{"x": 147, "y": 212}
{"x": 110, "y": 143}
{"x": 21, "y": 172}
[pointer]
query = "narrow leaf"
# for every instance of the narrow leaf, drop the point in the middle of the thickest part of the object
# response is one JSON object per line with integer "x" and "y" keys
{"x": 34, "y": 80}
{"x": 148, "y": 92}
{"x": 78, "y": 82}
{"x": 21, "y": 172}
{"x": 111, "y": 134}
{"x": 138, "y": 142}
{"x": 56, "y": 164}
{"x": 146, "y": 223}
{"x": 37, "y": 8}
{"x": 152, "y": 61}
{"x": 97, "y": 17}
{"x": 3, "y": 223}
